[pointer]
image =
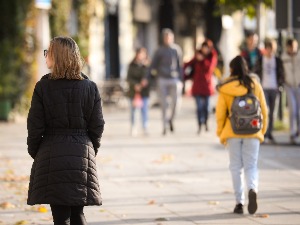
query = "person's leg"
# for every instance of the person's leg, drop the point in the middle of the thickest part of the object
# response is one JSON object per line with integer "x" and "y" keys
{"x": 175, "y": 94}
{"x": 234, "y": 146}
{"x": 163, "y": 93}
{"x": 61, "y": 214}
{"x": 250, "y": 158}
{"x": 132, "y": 118}
{"x": 144, "y": 111}
{"x": 267, "y": 97}
{"x": 77, "y": 216}
{"x": 298, "y": 109}
{"x": 198, "y": 108}
{"x": 272, "y": 103}
{"x": 206, "y": 111}
{"x": 292, "y": 105}
{"x": 250, "y": 151}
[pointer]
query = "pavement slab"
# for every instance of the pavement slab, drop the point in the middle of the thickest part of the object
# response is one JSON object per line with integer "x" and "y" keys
{"x": 179, "y": 179}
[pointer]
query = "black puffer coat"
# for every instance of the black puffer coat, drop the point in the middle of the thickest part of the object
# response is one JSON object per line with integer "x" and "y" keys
{"x": 65, "y": 125}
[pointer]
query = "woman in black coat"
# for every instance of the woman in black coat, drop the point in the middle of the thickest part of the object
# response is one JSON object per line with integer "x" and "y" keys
{"x": 65, "y": 126}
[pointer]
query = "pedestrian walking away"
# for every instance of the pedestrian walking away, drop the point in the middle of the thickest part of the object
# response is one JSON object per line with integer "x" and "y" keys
{"x": 291, "y": 62}
{"x": 203, "y": 65}
{"x": 138, "y": 92}
{"x": 243, "y": 148}
{"x": 65, "y": 126}
{"x": 167, "y": 66}
{"x": 270, "y": 70}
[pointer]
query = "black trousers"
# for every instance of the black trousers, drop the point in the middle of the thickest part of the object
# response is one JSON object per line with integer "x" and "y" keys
{"x": 68, "y": 215}
{"x": 270, "y": 95}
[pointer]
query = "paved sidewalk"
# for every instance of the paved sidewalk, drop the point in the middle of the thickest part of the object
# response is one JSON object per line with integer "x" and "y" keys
{"x": 179, "y": 179}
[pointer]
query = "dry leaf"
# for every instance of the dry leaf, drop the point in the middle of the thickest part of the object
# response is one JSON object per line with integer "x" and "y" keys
{"x": 7, "y": 205}
{"x": 151, "y": 202}
{"x": 213, "y": 203}
{"x": 22, "y": 222}
{"x": 262, "y": 215}
{"x": 166, "y": 158}
{"x": 42, "y": 209}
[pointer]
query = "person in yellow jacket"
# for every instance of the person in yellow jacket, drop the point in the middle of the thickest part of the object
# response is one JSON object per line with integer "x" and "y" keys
{"x": 243, "y": 149}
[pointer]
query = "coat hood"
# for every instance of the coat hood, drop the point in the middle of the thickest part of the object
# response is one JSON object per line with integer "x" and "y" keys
{"x": 232, "y": 87}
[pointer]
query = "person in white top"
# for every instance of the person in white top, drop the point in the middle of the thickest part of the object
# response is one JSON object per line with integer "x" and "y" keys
{"x": 291, "y": 62}
{"x": 270, "y": 70}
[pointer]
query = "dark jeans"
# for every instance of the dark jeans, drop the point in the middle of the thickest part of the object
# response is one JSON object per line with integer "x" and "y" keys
{"x": 68, "y": 215}
{"x": 270, "y": 95}
{"x": 202, "y": 103}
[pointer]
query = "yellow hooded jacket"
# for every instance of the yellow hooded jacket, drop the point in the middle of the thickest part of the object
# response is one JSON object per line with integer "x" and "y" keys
{"x": 227, "y": 92}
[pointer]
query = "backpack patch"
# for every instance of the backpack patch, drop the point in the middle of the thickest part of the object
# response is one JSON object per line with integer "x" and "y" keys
{"x": 246, "y": 115}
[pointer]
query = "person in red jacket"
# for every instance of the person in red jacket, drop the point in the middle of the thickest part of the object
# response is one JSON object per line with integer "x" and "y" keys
{"x": 202, "y": 67}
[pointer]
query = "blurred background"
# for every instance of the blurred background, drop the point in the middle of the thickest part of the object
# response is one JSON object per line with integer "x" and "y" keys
{"x": 109, "y": 31}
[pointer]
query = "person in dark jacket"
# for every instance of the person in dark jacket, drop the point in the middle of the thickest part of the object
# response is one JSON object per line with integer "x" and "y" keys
{"x": 251, "y": 52}
{"x": 65, "y": 126}
{"x": 270, "y": 70}
{"x": 204, "y": 64}
{"x": 138, "y": 92}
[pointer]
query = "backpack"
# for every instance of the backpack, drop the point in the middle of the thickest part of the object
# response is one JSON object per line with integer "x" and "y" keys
{"x": 246, "y": 115}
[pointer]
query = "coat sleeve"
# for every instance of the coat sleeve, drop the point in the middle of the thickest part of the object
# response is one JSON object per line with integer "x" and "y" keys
{"x": 213, "y": 62}
{"x": 96, "y": 121}
{"x": 36, "y": 121}
{"x": 152, "y": 70}
{"x": 130, "y": 78}
{"x": 221, "y": 114}
{"x": 264, "y": 107}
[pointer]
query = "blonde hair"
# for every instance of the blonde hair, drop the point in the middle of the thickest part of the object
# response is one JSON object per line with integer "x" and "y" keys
{"x": 67, "y": 61}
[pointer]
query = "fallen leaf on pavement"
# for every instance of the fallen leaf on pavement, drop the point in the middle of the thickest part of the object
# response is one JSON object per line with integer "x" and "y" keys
{"x": 213, "y": 203}
{"x": 151, "y": 202}
{"x": 7, "y": 205}
{"x": 21, "y": 222}
{"x": 262, "y": 215}
{"x": 42, "y": 209}
{"x": 165, "y": 158}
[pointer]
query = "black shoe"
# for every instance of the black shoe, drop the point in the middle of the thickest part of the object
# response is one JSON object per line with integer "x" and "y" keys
{"x": 171, "y": 126}
{"x": 238, "y": 209}
{"x": 252, "y": 204}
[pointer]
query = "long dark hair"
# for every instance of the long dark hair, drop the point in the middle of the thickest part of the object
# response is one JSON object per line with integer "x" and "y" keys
{"x": 239, "y": 70}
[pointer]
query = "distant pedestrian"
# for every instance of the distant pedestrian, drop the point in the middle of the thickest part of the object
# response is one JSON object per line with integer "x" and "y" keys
{"x": 138, "y": 92}
{"x": 167, "y": 66}
{"x": 65, "y": 125}
{"x": 291, "y": 61}
{"x": 270, "y": 70}
{"x": 251, "y": 52}
{"x": 203, "y": 65}
{"x": 243, "y": 148}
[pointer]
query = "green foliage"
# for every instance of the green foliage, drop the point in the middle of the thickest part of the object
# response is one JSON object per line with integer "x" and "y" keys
{"x": 15, "y": 63}
{"x": 230, "y": 6}
{"x": 82, "y": 38}
{"x": 59, "y": 15}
